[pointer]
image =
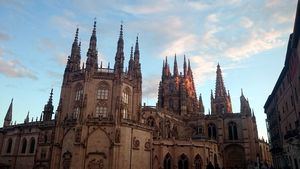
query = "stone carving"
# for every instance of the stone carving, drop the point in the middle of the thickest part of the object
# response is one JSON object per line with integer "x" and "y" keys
{"x": 67, "y": 157}
{"x": 78, "y": 134}
{"x": 135, "y": 143}
{"x": 148, "y": 145}
{"x": 96, "y": 164}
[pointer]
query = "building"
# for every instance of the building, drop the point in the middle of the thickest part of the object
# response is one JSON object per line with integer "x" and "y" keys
{"x": 265, "y": 156}
{"x": 283, "y": 107}
{"x": 101, "y": 123}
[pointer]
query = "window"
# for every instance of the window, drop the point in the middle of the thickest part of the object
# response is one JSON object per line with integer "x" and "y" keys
{"x": 101, "y": 111}
{"x": 232, "y": 131}
{"x": 9, "y": 145}
{"x": 76, "y": 112}
{"x": 183, "y": 162}
{"x": 168, "y": 162}
{"x": 102, "y": 93}
{"x": 125, "y": 113}
{"x": 24, "y": 145}
{"x": 125, "y": 97}
{"x": 212, "y": 131}
{"x": 32, "y": 145}
{"x": 197, "y": 162}
{"x": 78, "y": 94}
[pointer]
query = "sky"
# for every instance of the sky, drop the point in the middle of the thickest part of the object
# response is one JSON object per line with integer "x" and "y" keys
{"x": 248, "y": 38}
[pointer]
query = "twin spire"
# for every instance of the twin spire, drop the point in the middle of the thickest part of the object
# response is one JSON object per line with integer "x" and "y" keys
{"x": 92, "y": 54}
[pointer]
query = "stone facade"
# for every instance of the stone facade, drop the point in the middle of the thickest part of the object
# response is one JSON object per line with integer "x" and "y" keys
{"x": 101, "y": 124}
{"x": 283, "y": 107}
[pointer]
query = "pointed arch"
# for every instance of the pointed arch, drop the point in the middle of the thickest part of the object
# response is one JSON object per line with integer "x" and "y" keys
{"x": 232, "y": 131}
{"x": 198, "y": 162}
{"x": 78, "y": 92}
{"x": 24, "y": 146}
{"x": 212, "y": 131}
{"x": 32, "y": 145}
{"x": 168, "y": 161}
{"x": 102, "y": 91}
{"x": 9, "y": 146}
{"x": 183, "y": 162}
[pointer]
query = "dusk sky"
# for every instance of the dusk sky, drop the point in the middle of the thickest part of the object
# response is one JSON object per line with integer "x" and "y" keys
{"x": 248, "y": 38}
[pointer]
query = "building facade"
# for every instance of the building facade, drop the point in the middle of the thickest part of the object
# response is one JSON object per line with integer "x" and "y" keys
{"x": 100, "y": 122}
{"x": 283, "y": 107}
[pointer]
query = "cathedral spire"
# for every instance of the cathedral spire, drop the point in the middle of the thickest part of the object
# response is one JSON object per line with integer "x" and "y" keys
{"x": 8, "y": 116}
{"x": 201, "y": 107}
{"x": 131, "y": 63}
{"x": 27, "y": 118}
{"x": 137, "y": 51}
{"x": 92, "y": 54}
{"x": 189, "y": 71}
{"x": 245, "y": 106}
{"x": 175, "y": 69}
{"x": 119, "y": 58}
{"x": 48, "y": 108}
{"x": 220, "y": 87}
{"x": 184, "y": 67}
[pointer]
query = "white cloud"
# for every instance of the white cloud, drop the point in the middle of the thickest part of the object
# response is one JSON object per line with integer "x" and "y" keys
{"x": 203, "y": 68}
{"x": 246, "y": 22}
{"x": 14, "y": 69}
{"x": 150, "y": 86}
{"x": 257, "y": 42}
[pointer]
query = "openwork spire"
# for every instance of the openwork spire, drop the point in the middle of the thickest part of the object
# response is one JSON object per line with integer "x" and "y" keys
{"x": 220, "y": 87}
{"x": 92, "y": 54}
{"x": 48, "y": 108}
{"x": 184, "y": 67}
{"x": 175, "y": 69}
{"x": 119, "y": 58}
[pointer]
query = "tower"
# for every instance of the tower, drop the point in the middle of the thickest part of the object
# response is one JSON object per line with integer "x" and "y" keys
{"x": 221, "y": 102}
{"x": 245, "y": 107}
{"x": 177, "y": 92}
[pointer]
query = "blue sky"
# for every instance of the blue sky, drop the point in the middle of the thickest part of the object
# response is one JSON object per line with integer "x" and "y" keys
{"x": 248, "y": 39}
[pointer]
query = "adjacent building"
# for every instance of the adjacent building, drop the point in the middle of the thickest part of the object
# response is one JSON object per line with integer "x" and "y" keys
{"x": 283, "y": 107}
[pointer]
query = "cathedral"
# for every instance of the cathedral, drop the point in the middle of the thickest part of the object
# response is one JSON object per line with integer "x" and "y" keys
{"x": 100, "y": 122}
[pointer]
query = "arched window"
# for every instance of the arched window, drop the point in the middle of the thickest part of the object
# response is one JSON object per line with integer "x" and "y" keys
{"x": 101, "y": 111}
{"x": 168, "y": 162}
{"x": 126, "y": 103}
{"x": 9, "y": 145}
{"x": 32, "y": 145}
{"x": 102, "y": 92}
{"x": 78, "y": 93}
{"x": 232, "y": 131}
{"x": 24, "y": 145}
{"x": 183, "y": 162}
{"x": 198, "y": 162}
{"x": 212, "y": 131}
{"x": 76, "y": 113}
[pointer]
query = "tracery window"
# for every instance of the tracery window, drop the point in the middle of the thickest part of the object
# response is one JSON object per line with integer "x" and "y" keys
{"x": 32, "y": 145}
{"x": 126, "y": 103}
{"x": 9, "y": 145}
{"x": 232, "y": 131}
{"x": 183, "y": 162}
{"x": 212, "y": 131}
{"x": 197, "y": 162}
{"x": 24, "y": 145}
{"x": 101, "y": 111}
{"x": 76, "y": 112}
{"x": 102, "y": 92}
{"x": 168, "y": 162}
{"x": 125, "y": 97}
{"x": 78, "y": 93}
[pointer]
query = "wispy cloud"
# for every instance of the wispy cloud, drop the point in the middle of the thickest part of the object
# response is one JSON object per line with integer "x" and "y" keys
{"x": 150, "y": 87}
{"x": 4, "y": 36}
{"x": 15, "y": 69}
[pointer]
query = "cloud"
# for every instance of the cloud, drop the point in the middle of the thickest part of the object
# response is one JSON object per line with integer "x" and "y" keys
{"x": 4, "y": 36}
{"x": 61, "y": 58}
{"x": 14, "y": 69}
{"x": 45, "y": 44}
{"x": 203, "y": 68}
{"x": 150, "y": 86}
{"x": 148, "y": 8}
{"x": 257, "y": 42}
{"x": 246, "y": 22}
